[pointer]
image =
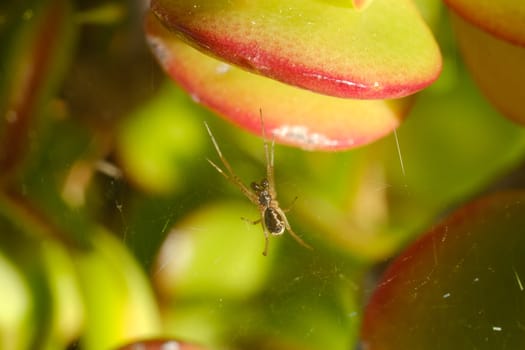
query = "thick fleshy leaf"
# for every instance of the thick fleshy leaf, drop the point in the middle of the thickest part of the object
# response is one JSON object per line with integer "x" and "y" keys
{"x": 159, "y": 164}
{"x": 161, "y": 344}
{"x": 497, "y": 66}
{"x": 383, "y": 51}
{"x": 119, "y": 302}
{"x": 294, "y": 116}
{"x": 36, "y": 41}
{"x": 360, "y": 4}
{"x": 502, "y": 18}
{"x": 16, "y": 315}
{"x": 460, "y": 286}
{"x": 183, "y": 265}
{"x": 68, "y": 308}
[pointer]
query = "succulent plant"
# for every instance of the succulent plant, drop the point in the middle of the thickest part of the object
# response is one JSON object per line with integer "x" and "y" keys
{"x": 385, "y": 123}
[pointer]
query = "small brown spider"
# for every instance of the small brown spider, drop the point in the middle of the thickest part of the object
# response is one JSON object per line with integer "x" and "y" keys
{"x": 262, "y": 194}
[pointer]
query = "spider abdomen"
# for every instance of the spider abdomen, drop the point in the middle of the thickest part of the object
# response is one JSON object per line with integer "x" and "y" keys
{"x": 273, "y": 221}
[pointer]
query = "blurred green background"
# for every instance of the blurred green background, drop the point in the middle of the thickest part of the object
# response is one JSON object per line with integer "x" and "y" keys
{"x": 114, "y": 227}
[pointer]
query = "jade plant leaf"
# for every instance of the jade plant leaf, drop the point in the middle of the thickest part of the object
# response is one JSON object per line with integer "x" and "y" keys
{"x": 382, "y": 51}
{"x": 293, "y": 116}
{"x": 156, "y": 164}
{"x": 503, "y": 18}
{"x": 458, "y": 287}
{"x": 36, "y": 44}
{"x": 183, "y": 264}
{"x": 491, "y": 36}
{"x": 160, "y": 344}
{"x": 16, "y": 316}
{"x": 117, "y": 296}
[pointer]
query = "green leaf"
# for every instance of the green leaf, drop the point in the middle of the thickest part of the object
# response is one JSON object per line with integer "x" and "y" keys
{"x": 383, "y": 51}
{"x": 502, "y": 18}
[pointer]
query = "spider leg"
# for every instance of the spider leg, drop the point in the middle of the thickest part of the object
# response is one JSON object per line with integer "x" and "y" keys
{"x": 253, "y": 222}
{"x": 290, "y": 206}
{"x": 218, "y": 168}
{"x": 229, "y": 174}
{"x": 223, "y": 160}
{"x": 269, "y": 155}
{"x": 297, "y": 238}
{"x": 265, "y": 231}
{"x": 292, "y": 233}
{"x": 266, "y": 241}
{"x": 270, "y": 172}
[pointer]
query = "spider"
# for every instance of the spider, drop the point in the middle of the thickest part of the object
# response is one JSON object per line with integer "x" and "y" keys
{"x": 272, "y": 218}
